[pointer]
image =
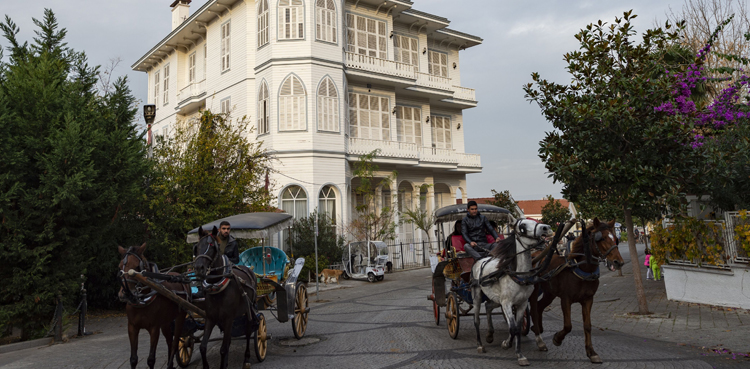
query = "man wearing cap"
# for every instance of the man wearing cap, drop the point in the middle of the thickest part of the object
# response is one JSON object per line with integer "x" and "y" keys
{"x": 474, "y": 228}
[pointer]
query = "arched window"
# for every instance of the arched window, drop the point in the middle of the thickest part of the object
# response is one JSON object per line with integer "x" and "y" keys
{"x": 325, "y": 16}
{"x": 327, "y": 203}
{"x": 291, "y": 20}
{"x": 292, "y": 107}
{"x": 263, "y": 109}
{"x": 262, "y": 22}
{"x": 328, "y": 106}
{"x": 294, "y": 201}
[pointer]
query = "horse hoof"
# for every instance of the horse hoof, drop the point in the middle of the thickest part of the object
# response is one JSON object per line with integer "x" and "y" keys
{"x": 542, "y": 347}
{"x": 522, "y": 361}
{"x": 489, "y": 338}
{"x": 556, "y": 342}
{"x": 481, "y": 350}
{"x": 595, "y": 359}
{"x": 506, "y": 344}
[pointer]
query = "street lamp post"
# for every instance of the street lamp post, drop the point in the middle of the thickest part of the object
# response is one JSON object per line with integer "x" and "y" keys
{"x": 149, "y": 113}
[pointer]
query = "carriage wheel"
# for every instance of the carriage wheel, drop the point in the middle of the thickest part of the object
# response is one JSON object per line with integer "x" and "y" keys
{"x": 451, "y": 315}
{"x": 526, "y": 322}
{"x": 435, "y": 307}
{"x": 299, "y": 322}
{"x": 185, "y": 351}
{"x": 261, "y": 339}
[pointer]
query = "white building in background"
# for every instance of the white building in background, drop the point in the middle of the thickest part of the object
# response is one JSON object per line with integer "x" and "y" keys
{"x": 323, "y": 82}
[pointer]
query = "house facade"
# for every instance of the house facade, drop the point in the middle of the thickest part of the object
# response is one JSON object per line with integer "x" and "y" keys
{"x": 323, "y": 82}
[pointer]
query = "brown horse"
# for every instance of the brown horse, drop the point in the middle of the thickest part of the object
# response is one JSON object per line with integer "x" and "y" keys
{"x": 147, "y": 309}
{"x": 229, "y": 292}
{"x": 576, "y": 281}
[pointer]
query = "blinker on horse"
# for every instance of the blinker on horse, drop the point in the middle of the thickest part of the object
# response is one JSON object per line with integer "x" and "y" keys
{"x": 575, "y": 279}
{"x": 148, "y": 310}
{"x": 230, "y": 293}
{"x": 492, "y": 277}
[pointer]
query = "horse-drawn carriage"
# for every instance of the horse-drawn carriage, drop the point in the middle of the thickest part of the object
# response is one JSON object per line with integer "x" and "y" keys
{"x": 454, "y": 265}
{"x": 276, "y": 289}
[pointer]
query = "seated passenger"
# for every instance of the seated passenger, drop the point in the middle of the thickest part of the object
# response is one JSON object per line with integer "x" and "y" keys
{"x": 475, "y": 227}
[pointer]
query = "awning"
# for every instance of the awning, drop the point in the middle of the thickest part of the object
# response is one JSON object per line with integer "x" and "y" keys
{"x": 249, "y": 225}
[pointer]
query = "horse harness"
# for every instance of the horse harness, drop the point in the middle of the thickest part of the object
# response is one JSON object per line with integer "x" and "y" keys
{"x": 138, "y": 298}
{"x": 522, "y": 278}
{"x": 228, "y": 268}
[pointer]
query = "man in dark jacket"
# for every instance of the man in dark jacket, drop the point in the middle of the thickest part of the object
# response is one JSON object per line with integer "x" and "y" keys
{"x": 227, "y": 243}
{"x": 475, "y": 228}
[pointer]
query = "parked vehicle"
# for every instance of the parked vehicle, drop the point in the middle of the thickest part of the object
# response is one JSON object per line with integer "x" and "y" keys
{"x": 365, "y": 262}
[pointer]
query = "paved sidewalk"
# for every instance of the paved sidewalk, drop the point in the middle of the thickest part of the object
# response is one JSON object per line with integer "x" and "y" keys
{"x": 683, "y": 323}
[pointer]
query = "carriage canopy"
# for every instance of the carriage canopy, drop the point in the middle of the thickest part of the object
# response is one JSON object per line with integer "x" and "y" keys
{"x": 456, "y": 212}
{"x": 249, "y": 225}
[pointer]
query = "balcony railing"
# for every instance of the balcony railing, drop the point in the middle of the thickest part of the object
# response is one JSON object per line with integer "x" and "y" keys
{"x": 192, "y": 90}
{"x": 436, "y": 155}
{"x": 469, "y": 160}
{"x": 433, "y": 81}
{"x": 383, "y": 66}
{"x": 464, "y": 93}
{"x": 405, "y": 150}
{"x": 397, "y": 69}
{"x": 393, "y": 149}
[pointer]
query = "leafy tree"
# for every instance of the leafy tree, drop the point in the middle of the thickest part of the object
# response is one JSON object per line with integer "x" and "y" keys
{"x": 303, "y": 237}
{"x": 554, "y": 213}
{"x": 422, "y": 219}
{"x": 207, "y": 170}
{"x": 610, "y": 143}
{"x": 71, "y": 177}
{"x": 370, "y": 223}
{"x": 505, "y": 200}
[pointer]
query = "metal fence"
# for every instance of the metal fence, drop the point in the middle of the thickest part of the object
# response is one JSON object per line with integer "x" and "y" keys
{"x": 734, "y": 251}
{"x": 408, "y": 254}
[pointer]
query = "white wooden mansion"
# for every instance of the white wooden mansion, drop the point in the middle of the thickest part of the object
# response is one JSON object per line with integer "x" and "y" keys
{"x": 325, "y": 81}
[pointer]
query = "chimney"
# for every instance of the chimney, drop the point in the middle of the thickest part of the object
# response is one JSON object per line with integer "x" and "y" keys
{"x": 180, "y": 12}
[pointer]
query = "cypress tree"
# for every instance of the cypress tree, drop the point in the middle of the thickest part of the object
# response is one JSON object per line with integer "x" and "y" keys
{"x": 71, "y": 175}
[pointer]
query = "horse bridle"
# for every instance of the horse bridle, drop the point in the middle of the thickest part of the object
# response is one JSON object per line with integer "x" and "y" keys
{"x": 125, "y": 280}
{"x": 525, "y": 233}
{"x": 211, "y": 244}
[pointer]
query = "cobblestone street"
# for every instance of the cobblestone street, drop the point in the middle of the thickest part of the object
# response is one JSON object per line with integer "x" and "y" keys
{"x": 389, "y": 324}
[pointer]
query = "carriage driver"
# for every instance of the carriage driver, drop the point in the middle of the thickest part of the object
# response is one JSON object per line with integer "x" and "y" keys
{"x": 227, "y": 243}
{"x": 475, "y": 228}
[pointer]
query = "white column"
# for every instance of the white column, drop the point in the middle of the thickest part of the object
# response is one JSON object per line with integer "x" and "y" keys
{"x": 394, "y": 203}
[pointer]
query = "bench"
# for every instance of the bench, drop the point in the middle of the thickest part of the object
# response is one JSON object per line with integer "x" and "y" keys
{"x": 253, "y": 258}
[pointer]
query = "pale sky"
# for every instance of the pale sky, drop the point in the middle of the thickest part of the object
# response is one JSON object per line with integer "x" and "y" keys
{"x": 520, "y": 37}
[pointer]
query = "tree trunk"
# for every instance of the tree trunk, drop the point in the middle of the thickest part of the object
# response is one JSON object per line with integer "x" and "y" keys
{"x": 639, "y": 292}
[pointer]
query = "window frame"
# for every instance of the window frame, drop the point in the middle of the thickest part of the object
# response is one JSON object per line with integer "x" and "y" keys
{"x": 382, "y": 113}
{"x": 225, "y": 51}
{"x": 397, "y": 50}
{"x": 320, "y": 23}
{"x": 264, "y": 120}
{"x": 353, "y": 28}
{"x": 334, "y": 102}
{"x": 325, "y": 199}
{"x": 225, "y": 105}
{"x": 205, "y": 59}
{"x": 281, "y": 24}
{"x": 430, "y": 64}
{"x": 165, "y": 85}
{"x": 449, "y": 130}
{"x": 191, "y": 68}
{"x": 416, "y": 123}
{"x": 264, "y": 28}
{"x": 281, "y": 102}
{"x": 157, "y": 82}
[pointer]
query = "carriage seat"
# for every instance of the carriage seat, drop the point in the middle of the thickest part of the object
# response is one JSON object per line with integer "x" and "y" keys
{"x": 253, "y": 258}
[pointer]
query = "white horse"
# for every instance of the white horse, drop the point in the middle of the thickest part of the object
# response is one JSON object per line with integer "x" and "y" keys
{"x": 512, "y": 297}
